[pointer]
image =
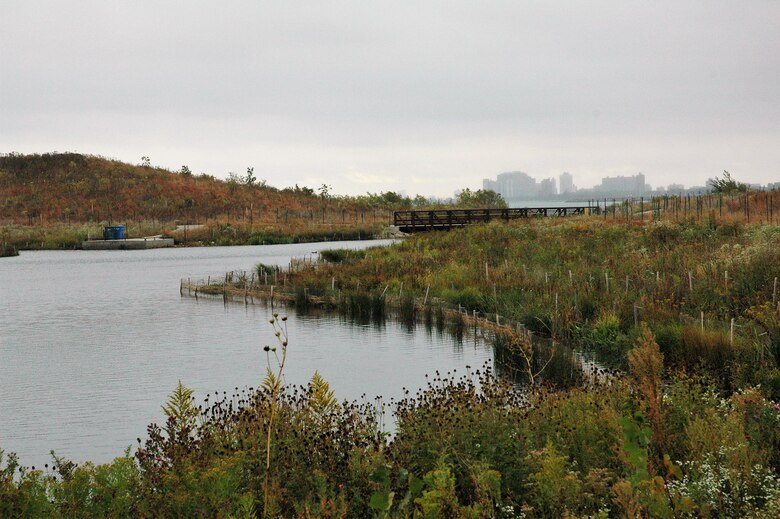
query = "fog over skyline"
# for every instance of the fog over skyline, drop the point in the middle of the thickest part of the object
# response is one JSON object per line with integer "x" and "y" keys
{"x": 378, "y": 96}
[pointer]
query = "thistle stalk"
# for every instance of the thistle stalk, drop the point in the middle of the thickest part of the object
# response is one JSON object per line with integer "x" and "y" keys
{"x": 275, "y": 386}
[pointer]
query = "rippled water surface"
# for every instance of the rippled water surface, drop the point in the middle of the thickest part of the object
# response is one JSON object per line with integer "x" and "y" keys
{"x": 92, "y": 342}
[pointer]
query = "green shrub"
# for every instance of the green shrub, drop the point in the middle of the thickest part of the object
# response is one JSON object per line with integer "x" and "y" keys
{"x": 554, "y": 488}
{"x": 469, "y": 298}
{"x": 8, "y": 250}
{"x": 89, "y": 490}
{"x": 663, "y": 234}
{"x": 587, "y": 308}
{"x": 605, "y": 337}
{"x": 23, "y": 493}
{"x": 670, "y": 341}
{"x": 342, "y": 255}
{"x": 470, "y": 426}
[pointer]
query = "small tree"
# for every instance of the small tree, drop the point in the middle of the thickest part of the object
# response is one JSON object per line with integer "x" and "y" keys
{"x": 482, "y": 198}
{"x": 233, "y": 180}
{"x": 726, "y": 184}
{"x": 250, "y": 177}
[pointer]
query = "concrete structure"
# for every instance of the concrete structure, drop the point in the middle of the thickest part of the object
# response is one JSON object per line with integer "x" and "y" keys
{"x": 153, "y": 242}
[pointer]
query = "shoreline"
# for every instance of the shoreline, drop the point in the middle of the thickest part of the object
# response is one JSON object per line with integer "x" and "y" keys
{"x": 71, "y": 237}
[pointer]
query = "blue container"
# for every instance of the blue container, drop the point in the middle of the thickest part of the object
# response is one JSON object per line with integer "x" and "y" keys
{"x": 114, "y": 232}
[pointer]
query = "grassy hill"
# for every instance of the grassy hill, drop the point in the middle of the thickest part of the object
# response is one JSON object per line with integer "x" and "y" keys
{"x": 55, "y": 200}
{"x": 70, "y": 187}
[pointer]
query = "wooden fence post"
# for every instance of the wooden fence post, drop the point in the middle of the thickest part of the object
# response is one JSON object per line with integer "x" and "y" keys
{"x": 636, "y": 315}
{"x": 731, "y": 333}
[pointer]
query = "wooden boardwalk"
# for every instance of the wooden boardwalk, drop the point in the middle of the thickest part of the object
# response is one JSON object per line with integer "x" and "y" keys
{"x": 443, "y": 219}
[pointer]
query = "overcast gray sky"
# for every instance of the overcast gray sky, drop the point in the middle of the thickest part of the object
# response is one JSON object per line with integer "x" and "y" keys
{"x": 426, "y": 97}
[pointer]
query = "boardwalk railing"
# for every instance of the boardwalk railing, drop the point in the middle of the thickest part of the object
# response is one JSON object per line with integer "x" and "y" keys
{"x": 439, "y": 219}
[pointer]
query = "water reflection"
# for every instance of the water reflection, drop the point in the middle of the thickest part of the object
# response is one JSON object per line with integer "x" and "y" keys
{"x": 92, "y": 343}
{"x": 545, "y": 362}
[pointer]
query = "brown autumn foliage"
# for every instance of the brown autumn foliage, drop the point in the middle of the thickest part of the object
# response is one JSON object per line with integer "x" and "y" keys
{"x": 646, "y": 365}
{"x": 76, "y": 188}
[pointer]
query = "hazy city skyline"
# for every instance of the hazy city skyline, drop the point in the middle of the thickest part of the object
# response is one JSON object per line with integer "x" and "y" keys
{"x": 421, "y": 97}
{"x": 519, "y": 186}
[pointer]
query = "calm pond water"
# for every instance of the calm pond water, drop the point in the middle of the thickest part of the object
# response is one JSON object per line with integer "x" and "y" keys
{"x": 92, "y": 343}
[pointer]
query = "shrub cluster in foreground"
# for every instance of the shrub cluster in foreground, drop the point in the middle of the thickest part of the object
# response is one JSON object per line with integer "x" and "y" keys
{"x": 648, "y": 444}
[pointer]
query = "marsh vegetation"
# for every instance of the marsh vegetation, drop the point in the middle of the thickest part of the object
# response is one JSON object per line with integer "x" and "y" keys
{"x": 685, "y": 312}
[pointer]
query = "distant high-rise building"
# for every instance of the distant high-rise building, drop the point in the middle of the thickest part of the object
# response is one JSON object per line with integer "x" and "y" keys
{"x": 566, "y": 183}
{"x": 623, "y": 186}
{"x": 490, "y": 184}
{"x": 547, "y": 188}
{"x": 640, "y": 186}
{"x": 675, "y": 187}
{"x": 516, "y": 185}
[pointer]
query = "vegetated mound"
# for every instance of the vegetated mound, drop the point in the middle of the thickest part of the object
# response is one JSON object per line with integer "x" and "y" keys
{"x": 72, "y": 187}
